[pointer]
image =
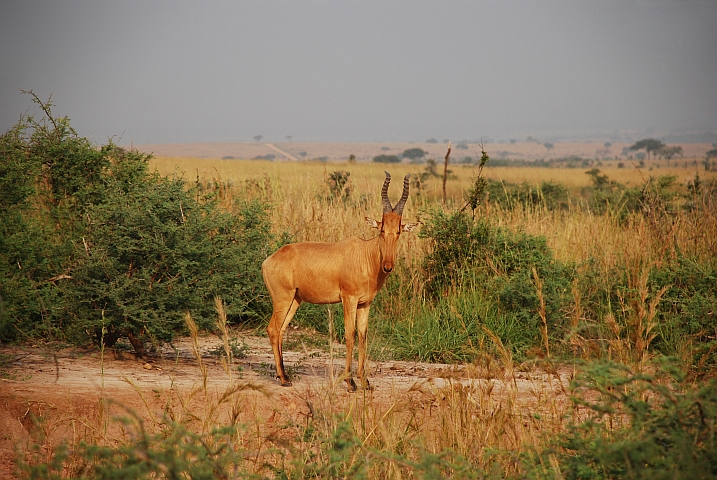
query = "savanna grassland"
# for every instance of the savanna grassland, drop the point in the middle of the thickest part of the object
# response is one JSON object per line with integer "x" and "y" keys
{"x": 295, "y": 189}
{"x": 562, "y": 318}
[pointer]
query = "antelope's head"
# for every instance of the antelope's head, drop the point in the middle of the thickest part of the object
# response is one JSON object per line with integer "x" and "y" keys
{"x": 390, "y": 226}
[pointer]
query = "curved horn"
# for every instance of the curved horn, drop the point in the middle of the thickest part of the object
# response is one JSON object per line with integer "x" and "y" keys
{"x": 399, "y": 206}
{"x": 384, "y": 195}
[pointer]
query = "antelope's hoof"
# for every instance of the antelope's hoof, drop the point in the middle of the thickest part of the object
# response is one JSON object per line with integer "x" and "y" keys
{"x": 285, "y": 383}
{"x": 367, "y": 386}
{"x": 351, "y": 385}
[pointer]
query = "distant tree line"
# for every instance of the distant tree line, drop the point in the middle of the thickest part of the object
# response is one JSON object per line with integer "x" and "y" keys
{"x": 411, "y": 154}
{"x": 657, "y": 148}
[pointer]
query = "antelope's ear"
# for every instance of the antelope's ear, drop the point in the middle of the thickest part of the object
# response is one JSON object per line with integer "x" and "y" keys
{"x": 409, "y": 227}
{"x": 372, "y": 223}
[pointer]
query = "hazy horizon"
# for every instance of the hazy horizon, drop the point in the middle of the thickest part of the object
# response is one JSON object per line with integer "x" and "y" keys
{"x": 401, "y": 71}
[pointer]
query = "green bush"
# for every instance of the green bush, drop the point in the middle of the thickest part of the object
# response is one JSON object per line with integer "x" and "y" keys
{"x": 386, "y": 159}
{"x": 158, "y": 250}
{"x": 94, "y": 246}
{"x": 453, "y": 330}
{"x": 549, "y": 195}
{"x": 338, "y": 185}
{"x": 413, "y": 153}
{"x": 471, "y": 257}
{"x": 687, "y": 311}
{"x": 637, "y": 426}
{"x": 48, "y": 178}
{"x": 655, "y": 197}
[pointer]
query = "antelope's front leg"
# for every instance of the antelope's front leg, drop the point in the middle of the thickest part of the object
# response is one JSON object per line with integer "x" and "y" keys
{"x": 283, "y": 313}
{"x": 362, "y": 325}
{"x": 349, "y": 333}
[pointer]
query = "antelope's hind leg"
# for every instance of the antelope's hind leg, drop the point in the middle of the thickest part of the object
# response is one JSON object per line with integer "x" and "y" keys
{"x": 283, "y": 313}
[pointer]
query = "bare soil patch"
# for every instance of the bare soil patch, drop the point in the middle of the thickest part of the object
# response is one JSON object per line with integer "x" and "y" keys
{"x": 64, "y": 388}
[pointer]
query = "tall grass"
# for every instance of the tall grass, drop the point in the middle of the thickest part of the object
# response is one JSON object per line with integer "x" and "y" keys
{"x": 511, "y": 412}
{"x": 602, "y": 247}
{"x": 493, "y": 420}
{"x": 296, "y": 191}
{"x": 478, "y": 424}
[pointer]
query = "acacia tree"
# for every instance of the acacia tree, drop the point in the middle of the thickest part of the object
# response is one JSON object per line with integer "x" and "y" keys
{"x": 650, "y": 145}
{"x": 414, "y": 153}
{"x": 710, "y": 154}
{"x": 386, "y": 159}
{"x": 670, "y": 152}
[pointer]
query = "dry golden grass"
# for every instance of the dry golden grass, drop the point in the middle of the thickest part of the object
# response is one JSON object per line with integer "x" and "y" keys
{"x": 297, "y": 192}
{"x": 489, "y": 417}
{"x": 493, "y": 409}
{"x": 300, "y": 202}
{"x": 575, "y": 178}
{"x": 367, "y": 174}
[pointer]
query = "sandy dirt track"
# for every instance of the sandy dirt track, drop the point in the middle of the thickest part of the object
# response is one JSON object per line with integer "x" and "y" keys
{"x": 37, "y": 382}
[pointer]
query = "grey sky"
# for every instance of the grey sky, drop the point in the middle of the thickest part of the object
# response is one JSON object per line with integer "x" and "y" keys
{"x": 168, "y": 71}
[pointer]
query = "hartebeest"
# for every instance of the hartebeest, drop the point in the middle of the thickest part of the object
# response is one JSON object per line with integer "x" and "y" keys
{"x": 351, "y": 271}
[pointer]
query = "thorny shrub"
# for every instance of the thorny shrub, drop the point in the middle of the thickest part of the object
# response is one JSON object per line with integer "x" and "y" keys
{"x": 94, "y": 247}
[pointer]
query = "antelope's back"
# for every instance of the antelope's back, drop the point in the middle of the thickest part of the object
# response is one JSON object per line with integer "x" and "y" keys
{"x": 310, "y": 269}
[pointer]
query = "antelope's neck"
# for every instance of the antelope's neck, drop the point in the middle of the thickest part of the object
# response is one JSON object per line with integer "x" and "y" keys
{"x": 373, "y": 252}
